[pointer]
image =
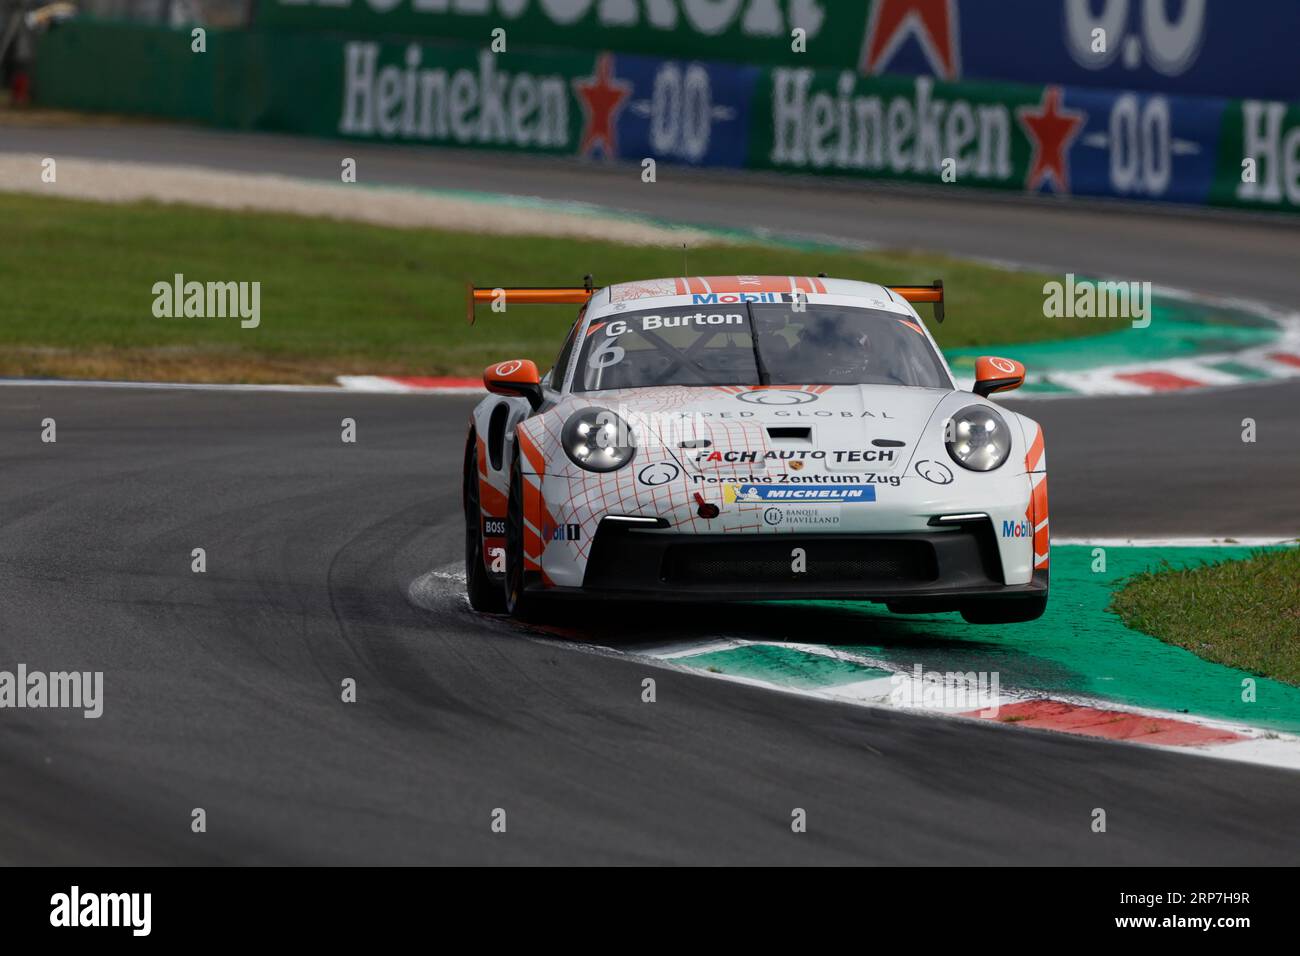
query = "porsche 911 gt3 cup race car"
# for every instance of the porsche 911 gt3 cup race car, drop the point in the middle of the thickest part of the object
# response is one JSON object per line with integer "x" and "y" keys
{"x": 753, "y": 438}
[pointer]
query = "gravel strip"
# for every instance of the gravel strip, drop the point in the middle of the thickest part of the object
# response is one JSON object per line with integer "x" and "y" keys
{"x": 106, "y": 181}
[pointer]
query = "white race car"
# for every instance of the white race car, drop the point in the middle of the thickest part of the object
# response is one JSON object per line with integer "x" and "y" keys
{"x": 741, "y": 438}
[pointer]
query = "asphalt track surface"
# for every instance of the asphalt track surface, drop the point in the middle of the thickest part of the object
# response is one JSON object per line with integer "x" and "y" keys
{"x": 222, "y": 689}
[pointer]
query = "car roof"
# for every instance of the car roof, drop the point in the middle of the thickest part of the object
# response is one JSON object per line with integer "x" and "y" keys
{"x": 722, "y": 290}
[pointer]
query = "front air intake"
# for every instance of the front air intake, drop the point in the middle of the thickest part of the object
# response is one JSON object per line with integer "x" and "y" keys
{"x": 879, "y": 562}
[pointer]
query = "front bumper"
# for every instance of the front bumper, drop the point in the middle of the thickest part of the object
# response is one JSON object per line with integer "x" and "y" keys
{"x": 917, "y": 571}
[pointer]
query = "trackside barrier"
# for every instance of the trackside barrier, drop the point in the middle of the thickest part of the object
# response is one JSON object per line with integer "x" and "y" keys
{"x": 1066, "y": 140}
{"x": 1190, "y": 48}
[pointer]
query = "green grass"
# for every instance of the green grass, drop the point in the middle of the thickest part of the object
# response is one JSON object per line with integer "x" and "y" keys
{"x": 1244, "y": 614}
{"x": 342, "y": 297}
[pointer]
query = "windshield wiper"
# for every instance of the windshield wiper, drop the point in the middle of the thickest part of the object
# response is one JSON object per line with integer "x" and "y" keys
{"x": 753, "y": 341}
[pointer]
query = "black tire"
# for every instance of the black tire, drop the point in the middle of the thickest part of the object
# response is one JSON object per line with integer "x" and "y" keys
{"x": 486, "y": 593}
{"x": 1004, "y": 610}
{"x": 520, "y": 603}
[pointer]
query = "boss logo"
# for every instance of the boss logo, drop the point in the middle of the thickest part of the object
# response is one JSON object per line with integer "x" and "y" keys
{"x": 494, "y": 528}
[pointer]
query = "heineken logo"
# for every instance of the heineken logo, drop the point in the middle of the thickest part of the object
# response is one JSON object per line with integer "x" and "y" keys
{"x": 932, "y": 23}
{"x": 1051, "y": 130}
{"x": 487, "y": 105}
{"x": 602, "y": 97}
{"x": 916, "y": 132}
{"x": 1271, "y": 173}
{"x": 841, "y": 129}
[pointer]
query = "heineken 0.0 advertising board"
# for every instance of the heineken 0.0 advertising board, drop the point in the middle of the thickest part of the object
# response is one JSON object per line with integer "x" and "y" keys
{"x": 1062, "y": 140}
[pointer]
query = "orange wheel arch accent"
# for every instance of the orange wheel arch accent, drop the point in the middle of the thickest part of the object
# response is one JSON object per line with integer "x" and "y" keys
{"x": 1036, "y": 513}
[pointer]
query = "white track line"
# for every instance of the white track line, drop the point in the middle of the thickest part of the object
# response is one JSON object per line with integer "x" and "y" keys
{"x": 1260, "y": 746}
{"x": 1272, "y": 748}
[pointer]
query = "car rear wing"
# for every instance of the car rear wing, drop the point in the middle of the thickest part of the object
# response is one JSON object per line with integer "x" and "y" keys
{"x": 575, "y": 295}
{"x": 922, "y": 293}
{"x": 529, "y": 295}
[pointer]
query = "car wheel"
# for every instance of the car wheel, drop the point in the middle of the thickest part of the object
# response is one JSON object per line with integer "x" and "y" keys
{"x": 519, "y": 602}
{"x": 1004, "y": 610}
{"x": 485, "y": 593}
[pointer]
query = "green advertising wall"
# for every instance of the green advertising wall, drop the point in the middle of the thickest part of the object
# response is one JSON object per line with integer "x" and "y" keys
{"x": 616, "y": 106}
{"x": 125, "y": 67}
{"x": 742, "y": 31}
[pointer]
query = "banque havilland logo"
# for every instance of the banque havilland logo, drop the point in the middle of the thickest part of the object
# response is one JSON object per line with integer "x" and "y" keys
{"x": 22, "y": 689}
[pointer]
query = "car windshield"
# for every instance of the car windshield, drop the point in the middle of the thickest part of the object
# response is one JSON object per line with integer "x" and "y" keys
{"x": 758, "y": 344}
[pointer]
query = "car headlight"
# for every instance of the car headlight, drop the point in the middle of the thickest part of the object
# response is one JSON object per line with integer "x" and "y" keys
{"x": 978, "y": 439}
{"x": 598, "y": 440}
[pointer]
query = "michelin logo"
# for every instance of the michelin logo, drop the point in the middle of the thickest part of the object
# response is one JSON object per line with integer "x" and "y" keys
{"x": 798, "y": 494}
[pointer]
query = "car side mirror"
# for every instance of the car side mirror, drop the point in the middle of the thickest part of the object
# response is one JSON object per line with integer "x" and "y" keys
{"x": 517, "y": 377}
{"x": 993, "y": 374}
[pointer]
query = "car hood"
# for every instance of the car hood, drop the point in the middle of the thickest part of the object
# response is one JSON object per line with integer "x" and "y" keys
{"x": 737, "y": 431}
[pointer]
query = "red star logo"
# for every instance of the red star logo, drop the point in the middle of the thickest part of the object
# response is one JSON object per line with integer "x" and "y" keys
{"x": 932, "y": 22}
{"x": 602, "y": 97}
{"x": 1052, "y": 130}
